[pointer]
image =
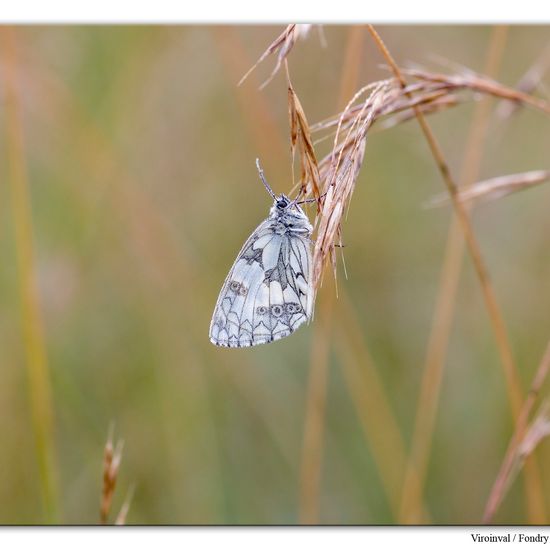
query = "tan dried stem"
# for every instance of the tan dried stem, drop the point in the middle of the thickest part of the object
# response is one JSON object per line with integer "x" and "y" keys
{"x": 476, "y": 83}
{"x": 338, "y": 171}
{"x": 538, "y": 430}
{"x": 506, "y": 470}
{"x": 497, "y": 322}
{"x": 527, "y": 83}
{"x": 437, "y": 345}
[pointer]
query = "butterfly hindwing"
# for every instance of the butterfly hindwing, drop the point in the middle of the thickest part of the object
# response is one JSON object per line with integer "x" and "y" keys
{"x": 267, "y": 293}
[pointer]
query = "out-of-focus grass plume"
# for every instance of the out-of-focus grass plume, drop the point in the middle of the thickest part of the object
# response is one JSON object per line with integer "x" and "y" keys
{"x": 139, "y": 150}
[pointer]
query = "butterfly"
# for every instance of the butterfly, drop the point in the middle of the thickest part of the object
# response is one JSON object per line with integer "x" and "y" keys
{"x": 267, "y": 294}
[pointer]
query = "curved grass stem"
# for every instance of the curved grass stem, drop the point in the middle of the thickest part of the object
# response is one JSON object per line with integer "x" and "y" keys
{"x": 511, "y": 376}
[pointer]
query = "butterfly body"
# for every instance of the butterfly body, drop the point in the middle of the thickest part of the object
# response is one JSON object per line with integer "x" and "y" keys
{"x": 267, "y": 294}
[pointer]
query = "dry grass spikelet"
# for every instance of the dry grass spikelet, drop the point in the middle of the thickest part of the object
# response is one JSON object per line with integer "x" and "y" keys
{"x": 339, "y": 171}
{"x": 300, "y": 137}
{"x": 283, "y": 44}
{"x": 539, "y": 429}
{"x": 495, "y": 188}
{"x": 112, "y": 457}
{"x": 523, "y": 441}
{"x": 528, "y": 83}
{"x": 473, "y": 82}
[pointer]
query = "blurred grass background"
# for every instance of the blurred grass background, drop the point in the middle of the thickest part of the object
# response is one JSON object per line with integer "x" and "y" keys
{"x": 139, "y": 151}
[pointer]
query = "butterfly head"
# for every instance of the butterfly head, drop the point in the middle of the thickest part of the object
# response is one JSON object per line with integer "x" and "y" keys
{"x": 283, "y": 206}
{"x": 288, "y": 216}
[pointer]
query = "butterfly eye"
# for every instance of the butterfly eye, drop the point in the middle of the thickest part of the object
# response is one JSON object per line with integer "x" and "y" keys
{"x": 282, "y": 203}
{"x": 261, "y": 310}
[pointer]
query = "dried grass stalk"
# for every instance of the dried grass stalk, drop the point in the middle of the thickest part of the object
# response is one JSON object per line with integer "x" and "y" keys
{"x": 395, "y": 104}
{"x": 112, "y": 457}
{"x": 499, "y": 328}
{"x": 528, "y": 83}
{"x": 471, "y": 81}
{"x": 300, "y": 136}
{"x": 496, "y": 188}
{"x": 123, "y": 514}
{"x": 427, "y": 107}
{"x": 331, "y": 182}
{"x": 505, "y": 351}
{"x": 520, "y": 441}
{"x": 441, "y": 326}
{"x": 431, "y": 93}
{"x": 283, "y": 44}
{"x": 537, "y": 431}
{"x": 339, "y": 171}
{"x": 400, "y": 102}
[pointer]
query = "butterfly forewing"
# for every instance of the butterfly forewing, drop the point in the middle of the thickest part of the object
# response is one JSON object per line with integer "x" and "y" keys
{"x": 267, "y": 293}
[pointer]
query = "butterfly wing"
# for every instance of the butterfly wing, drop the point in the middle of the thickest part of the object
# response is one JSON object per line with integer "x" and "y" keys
{"x": 267, "y": 294}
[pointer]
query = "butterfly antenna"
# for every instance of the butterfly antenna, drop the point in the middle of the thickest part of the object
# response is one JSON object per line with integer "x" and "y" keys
{"x": 304, "y": 201}
{"x": 264, "y": 181}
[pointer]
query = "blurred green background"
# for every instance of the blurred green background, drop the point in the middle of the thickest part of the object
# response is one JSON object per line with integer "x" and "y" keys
{"x": 140, "y": 152}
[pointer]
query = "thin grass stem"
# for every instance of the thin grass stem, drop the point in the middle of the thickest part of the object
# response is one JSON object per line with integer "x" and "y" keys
{"x": 444, "y": 309}
{"x": 38, "y": 376}
{"x": 510, "y": 372}
{"x": 314, "y": 425}
{"x": 501, "y": 482}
